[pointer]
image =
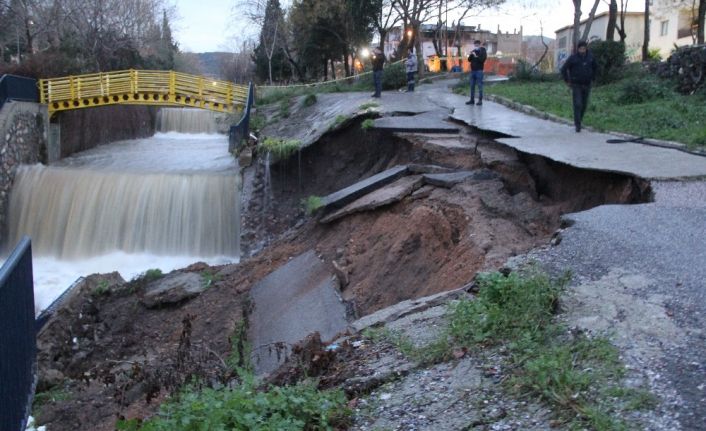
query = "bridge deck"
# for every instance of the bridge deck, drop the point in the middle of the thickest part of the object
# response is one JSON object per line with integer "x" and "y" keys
{"x": 141, "y": 87}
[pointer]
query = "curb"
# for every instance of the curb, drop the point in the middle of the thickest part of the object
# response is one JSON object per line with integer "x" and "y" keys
{"x": 530, "y": 110}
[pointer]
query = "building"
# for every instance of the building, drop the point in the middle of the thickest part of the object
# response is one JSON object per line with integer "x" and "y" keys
{"x": 502, "y": 47}
{"x": 634, "y": 31}
{"x": 672, "y": 22}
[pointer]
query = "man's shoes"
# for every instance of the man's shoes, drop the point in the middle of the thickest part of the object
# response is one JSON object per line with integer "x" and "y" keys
{"x": 470, "y": 102}
{"x": 480, "y": 102}
{"x": 578, "y": 129}
{"x": 376, "y": 96}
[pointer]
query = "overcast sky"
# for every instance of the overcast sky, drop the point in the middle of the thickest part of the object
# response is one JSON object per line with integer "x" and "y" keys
{"x": 210, "y": 25}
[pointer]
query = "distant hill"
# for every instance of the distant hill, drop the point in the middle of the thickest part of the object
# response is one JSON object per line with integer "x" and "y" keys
{"x": 211, "y": 62}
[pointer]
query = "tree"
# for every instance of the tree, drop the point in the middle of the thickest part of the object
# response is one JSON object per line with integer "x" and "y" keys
{"x": 268, "y": 54}
{"x": 612, "y": 20}
{"x": 385, "y": 19}
{"x": 700, "y": 22}
{"x": 646, "y": 40}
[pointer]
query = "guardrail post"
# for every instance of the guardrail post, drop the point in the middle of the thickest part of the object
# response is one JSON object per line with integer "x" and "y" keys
{"x": 172, "y": 85}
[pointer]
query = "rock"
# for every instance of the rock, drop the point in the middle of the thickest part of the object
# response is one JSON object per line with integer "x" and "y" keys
{"x": 48, "y": 379}
{"x": 173, "y": 289}
{"x": 245, "y": 158}
{"x": 341, "y": 274}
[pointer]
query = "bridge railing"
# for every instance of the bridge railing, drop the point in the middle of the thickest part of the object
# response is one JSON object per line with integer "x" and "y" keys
{"x": 145, "y": 87}
{"x": 18, "y": 348}
{"x": 18, "y": 88}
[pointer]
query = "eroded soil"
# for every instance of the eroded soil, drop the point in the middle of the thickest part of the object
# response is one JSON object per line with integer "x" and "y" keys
{"x": 113, "y": 357}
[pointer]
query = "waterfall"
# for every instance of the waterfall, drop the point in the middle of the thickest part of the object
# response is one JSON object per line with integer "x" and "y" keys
{"x": 187, "y": 120}
{"x": 75, "y": 213}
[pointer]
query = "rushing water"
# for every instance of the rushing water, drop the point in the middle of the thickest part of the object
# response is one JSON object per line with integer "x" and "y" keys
{"x": 162, "y": 202}
{"x": 187, "y": 120}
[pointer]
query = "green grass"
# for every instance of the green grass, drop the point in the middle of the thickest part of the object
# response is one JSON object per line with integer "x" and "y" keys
{"x": 666, "y": 115}
{"x": 208, "y": 278}
{"x": 247, "y": 407}
{"x": 368, "y": 105}
{"x": 312, "y": 203}
{"x": 101, "y": 289}
{"x": 367, "y": 124}
{"x": 279, "y": 147}
{"x": 310, "y": 99}
{"x": 57, "y": 393}
{"x": 577, "y": 375}
{"x": 338, "y": 121}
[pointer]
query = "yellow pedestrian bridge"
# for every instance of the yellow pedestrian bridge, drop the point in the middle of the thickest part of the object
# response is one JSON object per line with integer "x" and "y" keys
{"x": 141, "y": 87}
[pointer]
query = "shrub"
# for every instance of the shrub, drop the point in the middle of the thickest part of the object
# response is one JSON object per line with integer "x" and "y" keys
{"x": 524, "y": 71}
{"x": 641, "y": 90}
{"x": 309, "y": 100}
{"x": 394, "y": 77}
{"x": 610, "y": 56}
{"x": 312, "y": 203}
{"x": 368, "y": 124}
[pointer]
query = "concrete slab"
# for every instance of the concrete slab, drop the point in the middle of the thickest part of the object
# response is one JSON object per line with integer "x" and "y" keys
{"x": 345, "y": 196}
{"x": 586, "y": 150}
{"x": 297, "y": 299}
{"x": 392, "y": 193}
{"x": 430, "y": 122}
{"x": 449, "y": 180}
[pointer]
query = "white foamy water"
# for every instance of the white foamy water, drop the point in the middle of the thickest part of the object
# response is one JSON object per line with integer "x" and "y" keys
{"x": 163, "y": 202}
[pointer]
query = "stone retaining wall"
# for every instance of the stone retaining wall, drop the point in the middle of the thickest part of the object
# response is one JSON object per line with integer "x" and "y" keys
{"x": 23, "y": 140}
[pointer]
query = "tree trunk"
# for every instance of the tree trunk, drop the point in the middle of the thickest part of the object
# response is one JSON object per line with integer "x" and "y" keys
{"x": 701, "y": 17}
{"x": 646, "y": 41}
{"x": 612, "y": 20}
{"x": 623, "y": 12}
{"x": 577, "y": 25}
{"x": 589, "y": 21}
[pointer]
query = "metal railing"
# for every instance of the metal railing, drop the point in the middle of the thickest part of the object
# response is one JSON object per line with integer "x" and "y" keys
{"x": 141, "y": 87}
{"x": 18, "y": 347}
{"x": 14, "y": 87}
{"x": 241, "y": 130}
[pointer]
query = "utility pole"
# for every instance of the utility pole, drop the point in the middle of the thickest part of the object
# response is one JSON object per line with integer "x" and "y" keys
{"x": 17, "y": 34}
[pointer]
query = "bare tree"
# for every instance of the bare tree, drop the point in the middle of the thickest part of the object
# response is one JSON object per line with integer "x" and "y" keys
{"x": 385, "y": 20}
{"x": 700, "y": 22}
{"x": 646, "y": 40}
{"x": 612, "y": 20}
{"x": 577, "y": 22}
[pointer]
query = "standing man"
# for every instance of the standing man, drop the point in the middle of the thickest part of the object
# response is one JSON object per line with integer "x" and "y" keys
{"x": 477, "y": 60}
{"x": 579, "y": 71}
{"x": 411, "y": 69}
{"x": 378, "y": 62}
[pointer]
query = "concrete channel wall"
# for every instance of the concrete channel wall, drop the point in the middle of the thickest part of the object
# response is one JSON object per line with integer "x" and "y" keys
{"x": 24, "y": 139}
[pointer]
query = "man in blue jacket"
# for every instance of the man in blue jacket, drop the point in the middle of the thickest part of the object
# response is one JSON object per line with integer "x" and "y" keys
{"x": 579, "y": 71}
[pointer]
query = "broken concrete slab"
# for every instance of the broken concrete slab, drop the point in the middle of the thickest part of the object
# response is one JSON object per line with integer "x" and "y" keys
{"x": 347, "y": 195}
{"x": 389, "y": 194}
{"x": 173, "y": 289}
{"x": 428, "y": 169}
{"x": 429, "y": 122}
{"x": 448, "y": 180}
{"x": 406, "y": 308}
{"x": 297, "y": 299}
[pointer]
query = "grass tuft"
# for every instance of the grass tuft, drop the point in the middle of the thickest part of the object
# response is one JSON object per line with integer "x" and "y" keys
{"x": 279, "y": 147}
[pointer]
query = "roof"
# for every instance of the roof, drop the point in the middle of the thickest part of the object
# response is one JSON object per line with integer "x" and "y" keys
{"x": 600, "y": 15}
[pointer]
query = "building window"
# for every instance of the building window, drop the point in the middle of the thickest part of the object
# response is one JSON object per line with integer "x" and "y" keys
{"x": 664, "y": 29}
{"x": 562, "y": 42}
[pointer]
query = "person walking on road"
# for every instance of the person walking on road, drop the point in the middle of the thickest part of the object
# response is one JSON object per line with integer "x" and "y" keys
{"x": 378, "y": 62}
{"x": 411, "y": 65}
{"x": 579, "y": 72}
{"x": 477, "y": 59}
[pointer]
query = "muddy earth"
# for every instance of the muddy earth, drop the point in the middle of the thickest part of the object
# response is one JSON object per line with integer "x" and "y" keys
{"x": 117, "y": 349}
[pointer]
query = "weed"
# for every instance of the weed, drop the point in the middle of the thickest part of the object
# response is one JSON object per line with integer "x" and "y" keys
{"x": 246, "y": 406}
{"x": 153, "y": 274}
{"x": 208, "y": 278}
{"x": 368, "y": 105}
{"x": 101, "y": 289}
{"x": 284, "y": 107}
{"x": 52, "y": 395}
{"x": 280, "y": 148}
{"x": 257, "y": 122}
{"x": 368, "y": 124}
{"x": 240, "y": 350}
{"x": 312, "y": 203}
{"x": 309, "y": 100}
{"x": 340, "y": 119}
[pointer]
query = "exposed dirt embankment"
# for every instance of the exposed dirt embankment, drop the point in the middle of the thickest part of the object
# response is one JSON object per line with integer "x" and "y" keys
{"x": 83, "y": 129}
{"x": 115, "y": 356}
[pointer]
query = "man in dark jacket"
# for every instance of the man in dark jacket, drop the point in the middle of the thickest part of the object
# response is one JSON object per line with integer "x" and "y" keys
{"x": 378, "y": 62}
{"x": 477, "y": 60}
{"x": 579, "y": 71}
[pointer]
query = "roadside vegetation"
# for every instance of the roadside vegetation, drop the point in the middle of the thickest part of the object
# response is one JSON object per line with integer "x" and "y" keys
{"x": 636, "y": 102}
{"x": 578, "y": 375}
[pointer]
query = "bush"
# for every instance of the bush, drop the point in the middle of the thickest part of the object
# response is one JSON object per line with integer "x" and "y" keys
{"x": 641, "y": 90}
{"x": 524, "y": 71}
{"x": 610, "y": 56}
{"x": 394, "y": 77}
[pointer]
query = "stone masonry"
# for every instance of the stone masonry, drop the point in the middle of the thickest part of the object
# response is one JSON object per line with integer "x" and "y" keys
{"x": 23, "y": 140}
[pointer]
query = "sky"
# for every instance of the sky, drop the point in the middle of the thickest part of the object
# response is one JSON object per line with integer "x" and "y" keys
{"x": 211, "y": 25}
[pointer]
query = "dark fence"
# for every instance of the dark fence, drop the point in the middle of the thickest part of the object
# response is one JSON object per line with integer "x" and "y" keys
{"x": 18, "y": 348}
{"x": 18, "y": 88}
{"x": 241, "y": 130}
